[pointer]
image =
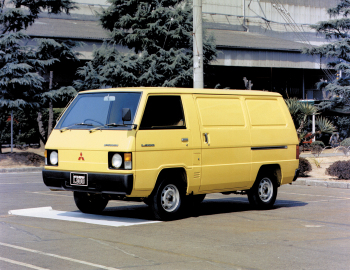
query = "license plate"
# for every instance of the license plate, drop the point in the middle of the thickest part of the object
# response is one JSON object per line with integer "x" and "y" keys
{"x": 79, "y": 179}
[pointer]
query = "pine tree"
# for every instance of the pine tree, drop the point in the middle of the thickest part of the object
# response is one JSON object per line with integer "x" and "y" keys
{"x": 20, "y": 65}
{"x": 336, "y": 30}
{"x": 62, "y": 50}
{"x": 159, "y": 35}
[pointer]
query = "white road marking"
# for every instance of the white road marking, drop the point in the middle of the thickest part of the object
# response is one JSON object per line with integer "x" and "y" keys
{"x": 59, "y": 257}
{"x": 47, "y": 212}
{"x": 22, "y": 264}
{"x": 314, "y": 226}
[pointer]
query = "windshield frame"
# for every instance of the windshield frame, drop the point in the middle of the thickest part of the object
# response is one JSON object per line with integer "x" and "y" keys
{"x": 80, "y": 126}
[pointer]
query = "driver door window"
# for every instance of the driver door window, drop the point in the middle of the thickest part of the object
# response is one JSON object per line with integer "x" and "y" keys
{"x": 163, "y": 112}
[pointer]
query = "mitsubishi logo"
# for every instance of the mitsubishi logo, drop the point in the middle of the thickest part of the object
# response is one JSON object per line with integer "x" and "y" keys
{"x": 81, "y": 156}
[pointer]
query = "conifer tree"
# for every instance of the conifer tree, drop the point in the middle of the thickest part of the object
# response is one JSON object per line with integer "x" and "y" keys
{"x": 20, "y": 65}
{"x": 336, "y": 30}
{"x": 159, "y": 35}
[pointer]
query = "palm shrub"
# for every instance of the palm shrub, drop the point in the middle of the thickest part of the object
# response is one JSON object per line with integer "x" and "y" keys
{"x": 301, "y": 111}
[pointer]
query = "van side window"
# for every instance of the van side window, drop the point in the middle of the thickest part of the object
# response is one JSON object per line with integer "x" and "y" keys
{"x": 163, "y": 112}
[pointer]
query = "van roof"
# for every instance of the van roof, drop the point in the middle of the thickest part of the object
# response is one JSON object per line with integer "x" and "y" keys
{"x": 174, "y": 90}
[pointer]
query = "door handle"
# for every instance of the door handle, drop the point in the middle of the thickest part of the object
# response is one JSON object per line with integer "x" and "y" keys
{"x": 184, "y": 139}
{"x": 206, "y": 138}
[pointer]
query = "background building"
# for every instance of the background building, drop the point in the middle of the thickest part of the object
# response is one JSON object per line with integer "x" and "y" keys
{"x": 257, "y": 39}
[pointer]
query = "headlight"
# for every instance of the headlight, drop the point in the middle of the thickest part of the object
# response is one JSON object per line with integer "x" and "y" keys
{"x": 53, "y": 158}
{"x": 117, "y": 161}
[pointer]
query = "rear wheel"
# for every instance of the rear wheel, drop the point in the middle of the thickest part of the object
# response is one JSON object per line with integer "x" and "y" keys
{"x": 264, "y": 192}
{"x": 90, "y": 202}
{"x": 168, "y": 199}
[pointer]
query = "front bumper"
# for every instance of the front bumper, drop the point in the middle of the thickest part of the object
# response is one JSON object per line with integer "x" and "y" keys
{"x": 119, "y": 184}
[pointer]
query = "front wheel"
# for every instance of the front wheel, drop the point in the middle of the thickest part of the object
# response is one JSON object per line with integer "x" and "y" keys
{"x": 263, "y": 193}
{"x": 167, "y": 201}
{"x": 90, "y": 203}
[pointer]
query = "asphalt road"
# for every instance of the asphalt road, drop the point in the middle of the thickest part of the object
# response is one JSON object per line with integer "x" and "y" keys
{"x": 309, "y": 228}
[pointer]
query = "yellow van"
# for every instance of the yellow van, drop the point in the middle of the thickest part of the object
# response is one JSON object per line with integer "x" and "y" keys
{"x": 169, "y": 147}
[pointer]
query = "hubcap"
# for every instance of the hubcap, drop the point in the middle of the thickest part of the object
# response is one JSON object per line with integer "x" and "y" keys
{"x": 170, "y": 198}
{"x": 265, "y": 189}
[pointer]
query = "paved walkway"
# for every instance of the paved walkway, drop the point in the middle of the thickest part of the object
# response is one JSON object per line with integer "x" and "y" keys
{"x": 306, "y": 181}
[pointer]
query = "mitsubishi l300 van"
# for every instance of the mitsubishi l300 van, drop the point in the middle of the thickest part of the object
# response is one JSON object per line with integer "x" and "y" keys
{"x": 169, "y": 147}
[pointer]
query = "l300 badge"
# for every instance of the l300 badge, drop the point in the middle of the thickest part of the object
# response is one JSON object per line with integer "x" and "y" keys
{"x": 147, "y": 145}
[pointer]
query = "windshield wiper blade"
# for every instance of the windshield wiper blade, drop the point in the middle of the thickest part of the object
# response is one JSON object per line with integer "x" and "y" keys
{"x": 134, "y": 126}
{"x": 77, "y": 124}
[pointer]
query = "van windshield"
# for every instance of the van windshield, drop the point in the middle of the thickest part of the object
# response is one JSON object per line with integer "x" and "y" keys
{"x": 102, "y": 110}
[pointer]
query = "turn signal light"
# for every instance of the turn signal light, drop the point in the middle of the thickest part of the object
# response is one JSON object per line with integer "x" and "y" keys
{"x": 127, "y": 161}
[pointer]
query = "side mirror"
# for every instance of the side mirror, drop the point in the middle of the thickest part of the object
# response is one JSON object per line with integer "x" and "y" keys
{"x": 126, "y": 114}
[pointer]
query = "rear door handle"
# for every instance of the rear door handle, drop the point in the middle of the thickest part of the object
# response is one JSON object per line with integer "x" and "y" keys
{"x": 184, "y": 139}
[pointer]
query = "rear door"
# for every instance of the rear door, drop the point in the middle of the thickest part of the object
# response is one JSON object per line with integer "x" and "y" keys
{"x": 225, "y": 136}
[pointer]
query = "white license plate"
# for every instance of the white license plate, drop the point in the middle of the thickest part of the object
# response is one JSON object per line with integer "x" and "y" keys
{"x": 78, "y": 179}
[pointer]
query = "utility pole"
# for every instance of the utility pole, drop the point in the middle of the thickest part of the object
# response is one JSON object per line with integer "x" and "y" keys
{"x": 198, "y": 80}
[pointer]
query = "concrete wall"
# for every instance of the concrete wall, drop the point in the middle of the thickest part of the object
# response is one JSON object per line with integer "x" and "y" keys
{"x": 259, "y": 58}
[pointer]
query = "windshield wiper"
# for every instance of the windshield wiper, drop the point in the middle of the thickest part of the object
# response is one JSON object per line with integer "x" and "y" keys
{"x": 112, "y": 125}
{"x": 134, "y": 126}
{"x": 77, "y": 124}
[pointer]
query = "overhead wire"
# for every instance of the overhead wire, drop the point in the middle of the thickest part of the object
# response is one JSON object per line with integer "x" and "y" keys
{"x": 299, "y": 32}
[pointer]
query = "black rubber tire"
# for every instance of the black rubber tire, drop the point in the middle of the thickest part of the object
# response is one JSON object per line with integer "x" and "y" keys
{"x": 263, "y": 194}
{"x": 90, "y": 203}
{"x": 167, "y": 201}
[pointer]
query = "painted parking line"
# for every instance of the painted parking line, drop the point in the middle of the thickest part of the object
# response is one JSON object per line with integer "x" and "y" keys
{"x": 48, "y": 212}
{"x": 98, "y": 266}
{"x": 22, "y": 264}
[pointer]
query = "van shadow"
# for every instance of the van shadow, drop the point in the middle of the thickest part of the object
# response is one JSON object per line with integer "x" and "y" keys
{"x": 235, "y": 205}
{"x": 207, "y": 207}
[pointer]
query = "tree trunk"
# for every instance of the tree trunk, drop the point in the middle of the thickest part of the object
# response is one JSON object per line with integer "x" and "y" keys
{"x": 50, "y": 119}
{"x": 49, "y": 129}
{"x": 41, "y": 130}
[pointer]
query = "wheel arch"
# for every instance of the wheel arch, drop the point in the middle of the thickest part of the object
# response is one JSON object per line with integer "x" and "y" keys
{"x": 270, "y": 169}
{"x": 179, "y": 171}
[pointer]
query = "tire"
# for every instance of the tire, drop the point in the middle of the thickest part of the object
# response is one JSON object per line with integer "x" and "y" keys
{"x": 263, "y": 193}
{"x": 168, "y": 199}
{"x": 90, "y": 203}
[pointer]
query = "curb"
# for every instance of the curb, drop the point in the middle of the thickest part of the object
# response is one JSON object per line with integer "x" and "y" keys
{"x": 322, "y": 183}
{"x": 24, "y": 169}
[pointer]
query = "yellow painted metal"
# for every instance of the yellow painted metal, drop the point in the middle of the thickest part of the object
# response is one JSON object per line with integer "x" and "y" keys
{"x": 220, "y": 149}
